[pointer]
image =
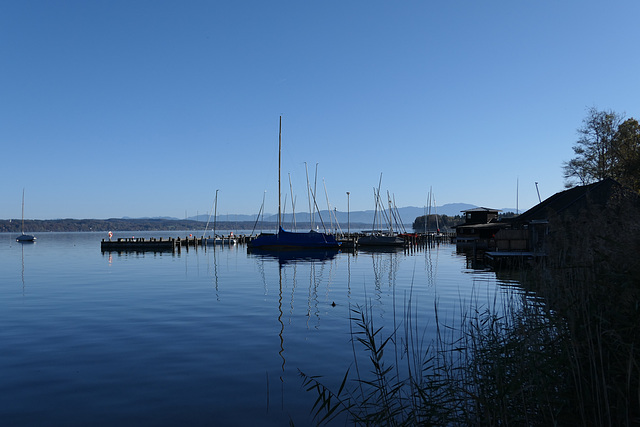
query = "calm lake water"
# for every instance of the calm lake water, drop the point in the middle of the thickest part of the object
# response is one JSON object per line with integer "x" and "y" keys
{"x": 201, "y": 337}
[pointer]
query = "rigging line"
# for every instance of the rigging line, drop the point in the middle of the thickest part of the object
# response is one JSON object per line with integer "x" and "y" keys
{"x": 392, "y": 217}
{"x": 377, "y": 197}
{"x": 293, "y": 203}
{"x": 392, "y": 214}
{"x": 308, "y": 196}
{"x": 375, "y": 212}
{"x": 335, "y": 217}
{"x": 259, "y": 212}
{"x": 257, "y": 219}
{"x": 435, "y": 207}
{"x": 319, "y": 215}
{"x": 383, "y": 212}
{"x": 209, "y": 219}
{"x": 328, "y": 205}
{"x": 284, "y": 208}
{"x": 315, "y": 191}
{"x": 397, "y": 213}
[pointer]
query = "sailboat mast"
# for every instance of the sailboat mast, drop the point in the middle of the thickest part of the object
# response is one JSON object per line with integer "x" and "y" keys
{"x": 215, "y": 214}
{"x": 308, "y": 196}
{"x": 429, "y": 212}
{"x": 379, "y": 202}
{"x": 435, "y": 207}
{"x": 22, "y": 226}
{"x": 279, "y": 165}
{"x": 209, "y": 218}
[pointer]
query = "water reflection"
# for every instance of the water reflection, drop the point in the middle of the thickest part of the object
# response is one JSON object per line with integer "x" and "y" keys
{"x": 295, "y": 268}
{"x": 381, "y": 250}
{"x": 215, "y": 273}
{"x": 474, "y": 258}
{"x": 431, "y": 265}
{"x": 22, "y": 271}
{"x": 384, "y": 267}
{"x": 281, "y": 332}
{"x": 294, "y": 256}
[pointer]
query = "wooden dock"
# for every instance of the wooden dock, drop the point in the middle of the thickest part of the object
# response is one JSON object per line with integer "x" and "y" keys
{"x": 152, "y": 244}
{"x": 511, "y": 259}
{"x": 138, "y": 245}
{"x": 141, "y": 244}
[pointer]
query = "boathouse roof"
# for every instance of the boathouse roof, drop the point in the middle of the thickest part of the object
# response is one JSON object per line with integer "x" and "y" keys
{"x": 481, "y": 209}
{"x": 480, "y": 216}
{"x": 489, "y": 225}
{"x": 570, "y": 200}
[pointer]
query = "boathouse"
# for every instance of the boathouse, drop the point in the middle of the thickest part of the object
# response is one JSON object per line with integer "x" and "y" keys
{"x": 528, "y": 234}
{"x": 479, "y": 229}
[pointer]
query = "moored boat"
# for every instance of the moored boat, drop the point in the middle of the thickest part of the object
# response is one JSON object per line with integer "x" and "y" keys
{"x": 24, "y": 238}
{"x": 381, "y": 240}
{"x": 288, "y": 239}
{"x": 220, "y": 240}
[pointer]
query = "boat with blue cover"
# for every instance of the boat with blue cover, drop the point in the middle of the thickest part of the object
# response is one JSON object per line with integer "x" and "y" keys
{"x": 287, "y": 239}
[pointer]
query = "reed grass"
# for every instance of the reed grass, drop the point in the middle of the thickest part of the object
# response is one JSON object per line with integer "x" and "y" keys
{"x": 490, "y": 369}
{"x": 564, "y": 351}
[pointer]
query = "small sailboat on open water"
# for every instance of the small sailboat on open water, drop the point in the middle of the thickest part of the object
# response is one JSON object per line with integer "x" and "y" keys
{"x": 24, "y": 238}
{"x": 287, "y": 239}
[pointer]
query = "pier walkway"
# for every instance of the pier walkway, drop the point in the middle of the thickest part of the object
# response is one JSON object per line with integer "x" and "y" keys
{"x": 141, "y": 244}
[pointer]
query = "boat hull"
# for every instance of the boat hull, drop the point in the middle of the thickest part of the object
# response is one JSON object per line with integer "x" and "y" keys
{"x": 295, "y": 255}
{"x": 375, "y": 240}
{"x": 291, "y": 240}
{"x": 209, "y": 241}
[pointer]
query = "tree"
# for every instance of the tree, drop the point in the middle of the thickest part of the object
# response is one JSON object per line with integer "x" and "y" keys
{"x": 432, "y": 222}
{"x": 595, "y": 159}
{"x": 626, "y": 151}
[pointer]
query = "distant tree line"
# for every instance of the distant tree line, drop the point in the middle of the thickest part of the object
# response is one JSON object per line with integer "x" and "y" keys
{"x": 508, "y": 214}
{"x": 135, "y": 224}
{"x": 608, "y": 147}
{"x": 115, "y": 224}
{"x": 432, "y": 222}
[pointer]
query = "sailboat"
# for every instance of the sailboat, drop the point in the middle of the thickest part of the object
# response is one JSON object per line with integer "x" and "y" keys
{"x": 24, "y": 238}
{"x": 377, "y": 237}
{"x": 216, "y": 240}
{"x": 292, "y": 240}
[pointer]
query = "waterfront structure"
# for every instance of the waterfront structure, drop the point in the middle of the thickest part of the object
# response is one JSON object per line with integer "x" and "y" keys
{"x": 528, "y": 235}
{"x": 480, "y": 226}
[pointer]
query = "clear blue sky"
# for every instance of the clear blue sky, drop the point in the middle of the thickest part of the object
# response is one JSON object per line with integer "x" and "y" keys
{"x": 145, "y": 108}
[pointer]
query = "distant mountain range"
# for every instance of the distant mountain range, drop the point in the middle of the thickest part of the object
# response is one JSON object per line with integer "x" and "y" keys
{"x": 407, "y": 215}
